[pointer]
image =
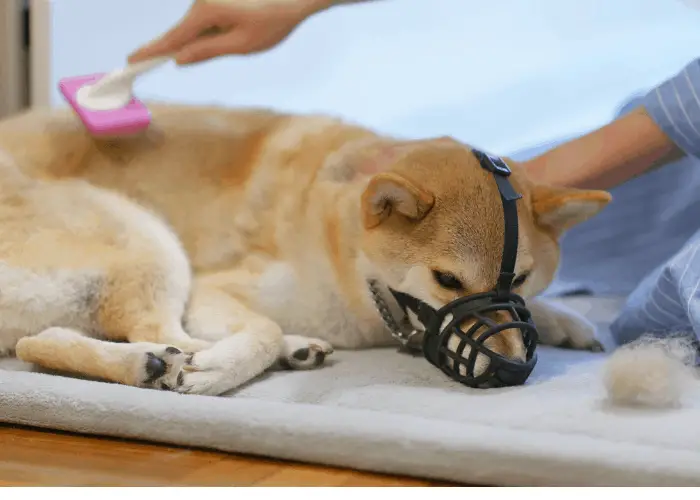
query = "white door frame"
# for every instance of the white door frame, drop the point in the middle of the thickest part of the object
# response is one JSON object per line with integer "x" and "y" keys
{"x": 13, "y": 58}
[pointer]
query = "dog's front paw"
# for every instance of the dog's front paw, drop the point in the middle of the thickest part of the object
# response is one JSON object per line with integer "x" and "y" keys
{"x": 163, "y": 368}
{"x": 189, "y": 344}
{"x": 304, "y": 353}
{"x": 560, "y": 326}
{"x": 206, "y": 379}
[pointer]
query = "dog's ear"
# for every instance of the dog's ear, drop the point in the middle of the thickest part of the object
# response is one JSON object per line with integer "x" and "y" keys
{"x": 388, "y": 193}
{"x": 559, "y": 209}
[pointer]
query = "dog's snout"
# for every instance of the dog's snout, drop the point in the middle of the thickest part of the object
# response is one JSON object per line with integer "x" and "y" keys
{"x": 508, "y": 343}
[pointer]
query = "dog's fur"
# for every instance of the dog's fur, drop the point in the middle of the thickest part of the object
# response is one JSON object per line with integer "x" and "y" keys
{"x": 247, "y": 237}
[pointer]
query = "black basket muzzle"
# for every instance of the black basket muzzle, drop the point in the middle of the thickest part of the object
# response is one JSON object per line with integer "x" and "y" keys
{"x": 444, "y": 340}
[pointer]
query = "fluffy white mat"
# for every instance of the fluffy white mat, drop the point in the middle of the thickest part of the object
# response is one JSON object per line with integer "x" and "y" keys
{"x": 388, "y": 412}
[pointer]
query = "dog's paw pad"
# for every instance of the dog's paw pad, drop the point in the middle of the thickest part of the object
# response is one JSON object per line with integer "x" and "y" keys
{"x": 311, "y": 354}
{"x": 164, "y": 369}
{"x": 155, "y": 367}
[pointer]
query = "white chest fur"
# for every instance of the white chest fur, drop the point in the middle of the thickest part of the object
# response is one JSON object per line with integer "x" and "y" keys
{"x": 308, "y": 303}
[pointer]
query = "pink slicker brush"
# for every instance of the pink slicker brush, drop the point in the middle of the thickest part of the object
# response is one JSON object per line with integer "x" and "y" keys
{"x": 105, "y": 103}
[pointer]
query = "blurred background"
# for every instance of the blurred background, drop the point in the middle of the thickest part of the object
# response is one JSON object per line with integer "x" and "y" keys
{"x": 510, "y": 76}
{"x": 504, "y": 75}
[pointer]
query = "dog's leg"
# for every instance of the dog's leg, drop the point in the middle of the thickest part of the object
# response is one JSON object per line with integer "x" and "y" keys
{"x": 212, "y": 316}
{"x": 139, "y": 301}
{"x": 140, "y": 364}
{"x": 146, "y": 302}
{"x": 560, "y": 326}
{"x": 248, "y": 343}
{"x": 237, "y": 359}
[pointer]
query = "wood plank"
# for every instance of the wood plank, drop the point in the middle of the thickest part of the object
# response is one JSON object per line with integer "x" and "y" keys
{"x": 34, "y": 457}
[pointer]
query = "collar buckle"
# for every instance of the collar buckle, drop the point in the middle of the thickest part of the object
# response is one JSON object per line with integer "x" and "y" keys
{"x": 492, "y": 164}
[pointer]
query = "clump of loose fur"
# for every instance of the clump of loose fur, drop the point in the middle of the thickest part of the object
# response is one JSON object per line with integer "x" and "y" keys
{"x": 651, "y": 372}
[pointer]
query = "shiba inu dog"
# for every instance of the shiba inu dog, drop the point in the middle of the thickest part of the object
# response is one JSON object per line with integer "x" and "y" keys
{"x": 223, "y": 242}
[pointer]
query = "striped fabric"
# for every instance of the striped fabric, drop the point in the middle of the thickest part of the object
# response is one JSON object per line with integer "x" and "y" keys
{"x": 668, "y": 299}
{"x": 646, "y": 244}
{"x": 675, "y": 106}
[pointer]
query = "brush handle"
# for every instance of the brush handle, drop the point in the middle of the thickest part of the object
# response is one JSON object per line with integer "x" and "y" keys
{"x": 115, "y": 89}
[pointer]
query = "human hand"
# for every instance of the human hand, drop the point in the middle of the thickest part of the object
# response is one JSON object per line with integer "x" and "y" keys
{"x": 213, "y": 28}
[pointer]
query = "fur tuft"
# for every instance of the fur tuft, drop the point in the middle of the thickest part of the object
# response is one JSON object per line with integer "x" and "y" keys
{"x": 651, "y": 372}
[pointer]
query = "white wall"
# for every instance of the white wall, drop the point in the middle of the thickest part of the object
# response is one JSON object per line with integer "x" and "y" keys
{"x": 502, "y": 74}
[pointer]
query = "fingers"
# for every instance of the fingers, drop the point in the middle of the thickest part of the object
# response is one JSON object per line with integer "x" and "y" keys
{"x": 211, "y": 29}
{"x": 194, "y": 23}
{"x": 210, "y": 47}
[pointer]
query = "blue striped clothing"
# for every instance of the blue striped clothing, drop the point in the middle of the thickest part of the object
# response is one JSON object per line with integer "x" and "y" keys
{"x": 651, "y": 217}
{"x": 646, "y": 244}
{"x": 668, "y": 299}
{"x": 675, "y": 107}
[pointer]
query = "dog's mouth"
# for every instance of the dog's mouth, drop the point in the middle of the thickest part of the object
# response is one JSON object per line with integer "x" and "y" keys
{"x": 460, "y": 337}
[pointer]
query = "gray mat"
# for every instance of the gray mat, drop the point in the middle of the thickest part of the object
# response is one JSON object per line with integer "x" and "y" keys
{"x": 388, "y": 412}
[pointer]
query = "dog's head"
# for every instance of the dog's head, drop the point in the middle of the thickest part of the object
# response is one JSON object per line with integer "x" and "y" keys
{"x": 433, "y": 225}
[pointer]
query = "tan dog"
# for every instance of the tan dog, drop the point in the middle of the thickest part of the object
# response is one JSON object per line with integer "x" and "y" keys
{"x": 248, "y": 237}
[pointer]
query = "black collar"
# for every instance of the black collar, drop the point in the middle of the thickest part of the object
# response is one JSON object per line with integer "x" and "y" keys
{"x": 401, "y": 329}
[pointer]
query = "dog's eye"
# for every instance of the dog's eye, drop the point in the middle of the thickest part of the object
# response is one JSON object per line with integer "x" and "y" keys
{"x": 447, "y": 280}
{"x": 520, "y": 280}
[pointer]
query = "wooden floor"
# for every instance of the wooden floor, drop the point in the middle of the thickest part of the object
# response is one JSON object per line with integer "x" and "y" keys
{"x": 30, "y": 457}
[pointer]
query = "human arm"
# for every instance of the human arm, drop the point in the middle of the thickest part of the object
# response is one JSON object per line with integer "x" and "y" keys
{"x": 214, "y": 28}
{"x": 663, "y": 129}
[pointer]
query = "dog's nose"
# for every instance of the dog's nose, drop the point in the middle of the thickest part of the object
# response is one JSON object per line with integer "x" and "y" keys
{"x": 508, "y": 343}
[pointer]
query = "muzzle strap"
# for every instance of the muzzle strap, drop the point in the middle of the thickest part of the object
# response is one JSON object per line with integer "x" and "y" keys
{"x": 509, "y": 197}
{"x": 423, "y": 311}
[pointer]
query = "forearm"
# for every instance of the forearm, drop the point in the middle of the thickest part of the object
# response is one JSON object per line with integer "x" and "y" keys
{"x": 666, "y": 127}
{"x": 609, "y": 156}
